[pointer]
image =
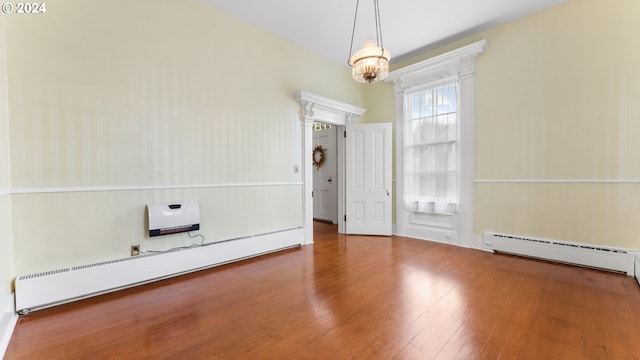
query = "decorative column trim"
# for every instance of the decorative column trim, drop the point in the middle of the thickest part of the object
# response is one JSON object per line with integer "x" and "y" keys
{"x": 447, "y": 63}
{"x": 321, "y": 109}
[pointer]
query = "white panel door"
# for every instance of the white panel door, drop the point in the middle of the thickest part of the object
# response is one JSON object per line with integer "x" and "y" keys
{"x": 325, "y": 191}
{"x": 368, "y": 179}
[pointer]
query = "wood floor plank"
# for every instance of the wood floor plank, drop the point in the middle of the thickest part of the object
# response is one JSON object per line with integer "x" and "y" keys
{"x": 352, "y": 297}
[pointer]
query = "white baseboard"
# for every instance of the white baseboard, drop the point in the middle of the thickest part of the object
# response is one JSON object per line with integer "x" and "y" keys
{"x": 39, "y": 291}
{"x": 478, "y": 244}
{"x": 637, "y": 267}
{"x": 7, "y": 324}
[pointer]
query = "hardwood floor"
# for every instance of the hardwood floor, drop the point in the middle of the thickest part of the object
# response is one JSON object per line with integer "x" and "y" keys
{"x": 352, "y": 297}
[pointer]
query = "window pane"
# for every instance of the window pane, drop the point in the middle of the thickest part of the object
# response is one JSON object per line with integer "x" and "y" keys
{"x": 450, "y": 93}
{"x": 431, "y": 164}
{"x": 440, "y": 186}
{"x": 441, "y": 157}
{"x": 421, "y": 186}
{"x": 452, "y": 126}
{"x": 452, "y": 187}
{"x": 441, "y": 128}
{"x": 452, "y": 159}
{"x": 416, "y": 130}
{"x": 416, "y": 106}
{"x": 423, "y": 131}
{"x": 445, "y": 99}
{"x": 421, "y": 105}
{"x": 426, "y": 159}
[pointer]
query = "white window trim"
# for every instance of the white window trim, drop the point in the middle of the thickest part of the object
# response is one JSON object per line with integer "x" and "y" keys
{"x": 458, "y": 62}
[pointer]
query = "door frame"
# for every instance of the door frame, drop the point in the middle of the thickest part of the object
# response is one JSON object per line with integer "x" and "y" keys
{"x": 316, "y": 108}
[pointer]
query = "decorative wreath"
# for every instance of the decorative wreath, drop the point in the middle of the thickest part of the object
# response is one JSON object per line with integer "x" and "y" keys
{"x": 318, "y": 156}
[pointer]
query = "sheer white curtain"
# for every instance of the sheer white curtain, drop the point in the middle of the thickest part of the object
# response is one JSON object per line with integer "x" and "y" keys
{"x": 431, "y": 147}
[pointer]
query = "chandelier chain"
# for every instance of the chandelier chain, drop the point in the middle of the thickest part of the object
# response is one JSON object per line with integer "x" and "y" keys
{"x": 378, "y": 24}
{"x": 353, "y": 32}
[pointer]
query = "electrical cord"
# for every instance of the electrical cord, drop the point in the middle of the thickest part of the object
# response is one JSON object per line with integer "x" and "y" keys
{"x": 195, "y": 236}
{"x": 179, "y": 247}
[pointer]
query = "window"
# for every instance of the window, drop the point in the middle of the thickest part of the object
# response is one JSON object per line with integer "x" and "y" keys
{"x": 431, "y": 145}
{"x": 434, "y": 146}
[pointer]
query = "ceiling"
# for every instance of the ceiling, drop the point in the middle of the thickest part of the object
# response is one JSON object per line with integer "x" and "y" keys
{"x": 409, "y": 27}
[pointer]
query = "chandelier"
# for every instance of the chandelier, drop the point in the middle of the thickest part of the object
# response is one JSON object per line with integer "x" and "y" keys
{"x": 371, "y": 63}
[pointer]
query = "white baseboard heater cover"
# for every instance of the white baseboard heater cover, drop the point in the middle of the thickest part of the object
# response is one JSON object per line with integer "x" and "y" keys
{"x": 589, "y": 255}
{"x": 42, "y": 290}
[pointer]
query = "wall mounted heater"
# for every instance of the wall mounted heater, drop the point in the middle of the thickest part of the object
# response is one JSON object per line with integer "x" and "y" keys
{"x": 173, "y": 217}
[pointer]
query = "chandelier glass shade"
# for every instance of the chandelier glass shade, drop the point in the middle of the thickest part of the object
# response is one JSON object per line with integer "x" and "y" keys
{"x": 371, "y": 63}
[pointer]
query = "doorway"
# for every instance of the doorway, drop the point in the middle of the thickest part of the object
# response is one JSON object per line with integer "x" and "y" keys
{"x": 325, "y": 173}
{"x": 352, "y": 175}
{"x": 355, "y": 166}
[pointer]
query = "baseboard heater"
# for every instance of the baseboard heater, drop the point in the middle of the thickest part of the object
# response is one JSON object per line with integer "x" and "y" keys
{"x": 595, "y": 256}
{"x": 47, "y": 289}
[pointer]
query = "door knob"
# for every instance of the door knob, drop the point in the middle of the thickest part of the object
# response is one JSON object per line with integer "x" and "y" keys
{"x": 387, "y": 192}
{"x": 330, "y": 180}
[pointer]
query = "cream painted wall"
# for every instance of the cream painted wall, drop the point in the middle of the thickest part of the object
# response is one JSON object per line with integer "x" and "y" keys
{"x": 152, "y": 94}
{"x": 571, "y": 79}
{"x": 379, "y": 102}
{"x": 6, "y": 252}
{"x": 556, "y": 99}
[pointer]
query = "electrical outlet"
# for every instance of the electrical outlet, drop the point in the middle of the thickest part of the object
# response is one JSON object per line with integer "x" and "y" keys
{"x": 135, "y": 250}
